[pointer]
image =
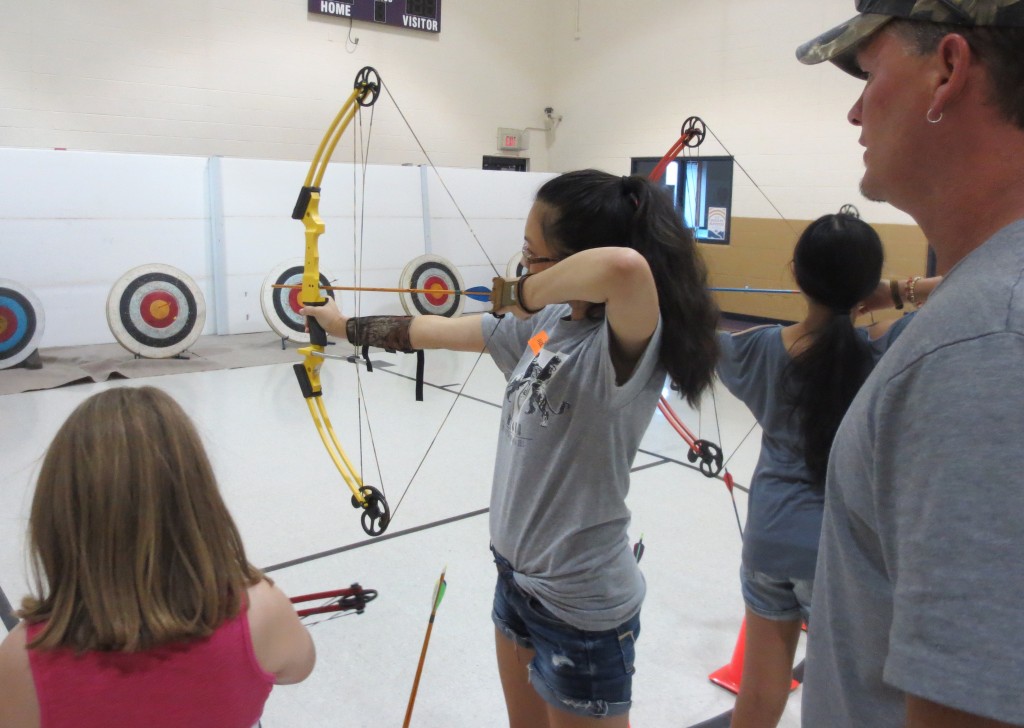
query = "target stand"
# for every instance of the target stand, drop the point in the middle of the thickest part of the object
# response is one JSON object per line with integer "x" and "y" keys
{"x": 156, "y": 311}
{"x": 21, "y": 326}
{"x": 281, "y": 305}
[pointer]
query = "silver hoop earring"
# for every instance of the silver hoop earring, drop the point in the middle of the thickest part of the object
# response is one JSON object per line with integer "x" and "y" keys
{"x": 928, "y": 116}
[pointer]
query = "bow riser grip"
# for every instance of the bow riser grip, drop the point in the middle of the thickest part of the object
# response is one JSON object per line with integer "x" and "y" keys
{"x": 317, "y": 335}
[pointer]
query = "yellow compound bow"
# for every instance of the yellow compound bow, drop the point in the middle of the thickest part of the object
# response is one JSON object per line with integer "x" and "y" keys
{"x": 376, "y": 514}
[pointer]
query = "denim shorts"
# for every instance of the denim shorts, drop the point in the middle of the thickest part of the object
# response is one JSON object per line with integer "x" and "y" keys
{"x": 580, "y": 672}
{"x": 784, "y": 600}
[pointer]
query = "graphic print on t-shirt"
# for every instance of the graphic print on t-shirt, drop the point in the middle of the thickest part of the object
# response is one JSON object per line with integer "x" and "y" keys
{"x": 529, "y": 396}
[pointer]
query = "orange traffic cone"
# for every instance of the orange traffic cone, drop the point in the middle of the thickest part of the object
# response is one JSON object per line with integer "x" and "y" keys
{"x": 729, "y": 676}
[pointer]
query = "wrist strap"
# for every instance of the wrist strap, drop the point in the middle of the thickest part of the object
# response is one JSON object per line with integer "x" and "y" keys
{"x": 520, "y": 300}
{"x": 894, "y": 289}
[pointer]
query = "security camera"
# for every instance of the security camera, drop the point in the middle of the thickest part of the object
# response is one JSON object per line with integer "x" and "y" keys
{"x": 548, "y": 110}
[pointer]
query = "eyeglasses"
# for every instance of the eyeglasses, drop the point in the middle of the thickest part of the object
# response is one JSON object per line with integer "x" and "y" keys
{"x": 532, "y": 260}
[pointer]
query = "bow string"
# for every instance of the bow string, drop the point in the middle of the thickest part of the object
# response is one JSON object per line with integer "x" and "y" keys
{"x": 712, "y": 461}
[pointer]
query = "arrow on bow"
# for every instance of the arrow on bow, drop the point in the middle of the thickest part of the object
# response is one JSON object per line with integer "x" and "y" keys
{"x": 483, "y": 293}
{"x": 477, "y": 293}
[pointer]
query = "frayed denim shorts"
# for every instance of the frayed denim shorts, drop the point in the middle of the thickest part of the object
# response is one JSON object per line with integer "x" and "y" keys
{"x": 782, "y": 600}
{"x": 585, "y": 673}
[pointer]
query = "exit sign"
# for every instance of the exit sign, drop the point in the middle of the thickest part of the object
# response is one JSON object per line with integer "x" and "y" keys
{"x": 511, "y": 140}
{"x": 422, "y": 15}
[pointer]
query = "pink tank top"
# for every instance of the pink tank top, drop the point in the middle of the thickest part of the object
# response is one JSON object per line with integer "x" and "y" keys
{"x": 211, "y": 683}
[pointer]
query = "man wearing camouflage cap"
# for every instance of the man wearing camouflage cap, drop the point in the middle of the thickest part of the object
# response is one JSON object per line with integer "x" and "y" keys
{"x": 918, "y": 611}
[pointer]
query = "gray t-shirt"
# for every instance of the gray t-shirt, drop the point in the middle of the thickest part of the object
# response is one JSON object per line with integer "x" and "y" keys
{"x": 568, "y": 437}
{"x": 785, "y": 505}
{"x": 920, "y": 582}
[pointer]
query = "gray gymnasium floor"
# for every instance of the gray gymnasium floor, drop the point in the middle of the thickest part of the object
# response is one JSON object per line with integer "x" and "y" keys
{"x": 295, "y": 515}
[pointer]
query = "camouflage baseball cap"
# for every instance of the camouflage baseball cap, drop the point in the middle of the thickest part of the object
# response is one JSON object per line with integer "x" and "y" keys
{"x": 840, "y": 44}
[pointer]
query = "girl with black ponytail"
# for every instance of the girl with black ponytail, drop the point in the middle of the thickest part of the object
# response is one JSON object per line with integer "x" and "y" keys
{"x": 798, "y": 381}
{"x": 616, "y": 298}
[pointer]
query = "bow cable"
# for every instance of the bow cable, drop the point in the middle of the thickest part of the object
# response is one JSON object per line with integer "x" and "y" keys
{"x": 469, "y": 226}
{"x": 357, "y": 259}
{"x": 796, "y": 233}
{"x": 710, "y": 455}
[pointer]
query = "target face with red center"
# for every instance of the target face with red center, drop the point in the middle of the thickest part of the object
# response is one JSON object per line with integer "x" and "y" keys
{"x": 156, "y": 311}
{"x": 21, "y": 323}
{"x": 281, "y": 305}
{"x": 432, "y": 273}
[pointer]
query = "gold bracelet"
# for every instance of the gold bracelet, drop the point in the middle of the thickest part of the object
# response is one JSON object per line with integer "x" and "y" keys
{"x": 894, "y": 289}
{"x": 910, "y": 291}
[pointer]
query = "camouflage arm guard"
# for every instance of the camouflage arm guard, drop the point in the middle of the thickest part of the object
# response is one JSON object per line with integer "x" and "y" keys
{"x": 390, "y": 333}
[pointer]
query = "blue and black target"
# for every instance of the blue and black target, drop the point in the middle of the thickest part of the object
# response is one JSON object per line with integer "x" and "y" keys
{"x": 21, "y": 323}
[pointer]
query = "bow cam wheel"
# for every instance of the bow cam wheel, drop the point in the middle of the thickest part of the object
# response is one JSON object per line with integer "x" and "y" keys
{"x": 376, "y": 511}
{"x": 710, "y": 456}
{"x": 357, "y": 599}
{"x": 695, "y": 130}
{"x": 368, "y": 80}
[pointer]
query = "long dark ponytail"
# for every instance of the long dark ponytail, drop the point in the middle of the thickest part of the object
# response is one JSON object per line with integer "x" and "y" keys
{"x": 837, "y": 262}
{"x": 593, "y": 209}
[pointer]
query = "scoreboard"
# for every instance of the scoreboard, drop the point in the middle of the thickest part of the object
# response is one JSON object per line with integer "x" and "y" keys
{"x": 422, "y": 15}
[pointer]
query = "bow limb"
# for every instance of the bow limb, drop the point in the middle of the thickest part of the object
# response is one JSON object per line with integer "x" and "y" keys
{"x": 691, "y": 135}
{"x": 376, "y": 514}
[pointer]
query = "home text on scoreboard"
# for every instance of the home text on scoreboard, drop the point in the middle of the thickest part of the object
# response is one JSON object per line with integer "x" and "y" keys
{"x": 422, "y": 15}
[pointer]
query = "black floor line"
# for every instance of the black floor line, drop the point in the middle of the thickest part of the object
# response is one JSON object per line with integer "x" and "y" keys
{"x": 659, "y": 461}
{"x": 719, "y": 721}
{"x": 435, "y": 524}
{"x": 664, "y": 458}
{"x": 378, "y": 539}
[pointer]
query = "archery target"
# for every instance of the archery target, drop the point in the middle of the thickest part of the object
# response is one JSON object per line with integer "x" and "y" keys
{"x": 432, "y": 272}
{"x": 156, "y": 311}
{"x": 281, "y": 305}
{"x": 516, "y": 267}
{"x": 21, "y": 323}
